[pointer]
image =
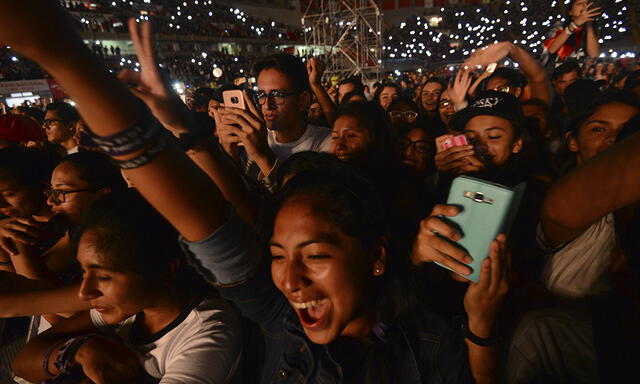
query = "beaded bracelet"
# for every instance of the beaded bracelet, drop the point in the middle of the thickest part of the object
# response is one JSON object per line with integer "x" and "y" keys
{"x": 161, "y": 143}
{"x": 6, "y": 263}
{"x": 132, "y": 139}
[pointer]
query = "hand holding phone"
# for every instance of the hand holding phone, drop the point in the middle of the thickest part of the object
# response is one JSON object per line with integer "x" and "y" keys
{"x": 448, "y": 141}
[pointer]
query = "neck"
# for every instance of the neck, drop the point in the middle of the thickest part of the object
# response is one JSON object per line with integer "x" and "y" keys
{"x": 292, "y": 132}
{"x": 360, "y": 327}
{"x": 163, "y": 312}
{"x": 68, "y": 144}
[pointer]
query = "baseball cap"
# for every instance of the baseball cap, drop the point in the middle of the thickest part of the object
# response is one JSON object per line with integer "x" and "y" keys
{"x": 492, "y": 103}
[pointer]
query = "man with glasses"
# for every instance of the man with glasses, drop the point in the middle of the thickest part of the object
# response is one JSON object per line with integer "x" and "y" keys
{"x": 60, "y": 125}
{"x": 281, "y": 128}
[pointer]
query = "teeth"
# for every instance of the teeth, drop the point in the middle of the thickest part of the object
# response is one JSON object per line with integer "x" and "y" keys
{"x": 306, "y": 304}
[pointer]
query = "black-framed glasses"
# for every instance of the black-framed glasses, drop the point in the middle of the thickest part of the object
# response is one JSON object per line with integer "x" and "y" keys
{"x": 48, "y": 122}
{"x": 277, "y": 96}
{"x": 420, "y": 146}
{"x": 409, "y": 115}
{"x": 58, "y": 195}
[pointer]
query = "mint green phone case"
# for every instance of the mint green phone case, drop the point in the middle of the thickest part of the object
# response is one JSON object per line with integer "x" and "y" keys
{"x": 488, "y": 209}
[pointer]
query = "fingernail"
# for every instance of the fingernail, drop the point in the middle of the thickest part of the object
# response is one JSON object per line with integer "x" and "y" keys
{"x": 468, "y": 259}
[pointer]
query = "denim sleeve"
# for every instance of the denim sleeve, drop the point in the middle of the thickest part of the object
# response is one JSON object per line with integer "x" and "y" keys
{"x": 229, "y": 255}
{"x": 231, "y": 258}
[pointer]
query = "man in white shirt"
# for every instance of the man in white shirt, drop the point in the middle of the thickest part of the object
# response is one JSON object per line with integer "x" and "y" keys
{"x": 280, "y": 130}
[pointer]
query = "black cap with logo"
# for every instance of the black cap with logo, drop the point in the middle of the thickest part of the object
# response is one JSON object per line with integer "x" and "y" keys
{"x": 492, "y": 103}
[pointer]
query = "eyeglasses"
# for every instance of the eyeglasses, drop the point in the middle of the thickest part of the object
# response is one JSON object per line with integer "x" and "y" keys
{"x": 48, "y": 122}
{"x": 409, "y": 115}
{"x": 420, "y": 146}
{"x": 277, "y": 96}
{"x": 58, "y": 195}
{"x": 502, "y": 88}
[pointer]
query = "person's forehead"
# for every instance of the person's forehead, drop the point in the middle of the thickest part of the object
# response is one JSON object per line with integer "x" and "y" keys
{"x": 272, "y": 79}
{"x": 433, "y": 86}
{"x": 52, "y": 114}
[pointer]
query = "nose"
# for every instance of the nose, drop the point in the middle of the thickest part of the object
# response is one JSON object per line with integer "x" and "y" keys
{"x": 88, "y": 290}
{"x": 294, "y": 278}
{"x": 50, "y": 201}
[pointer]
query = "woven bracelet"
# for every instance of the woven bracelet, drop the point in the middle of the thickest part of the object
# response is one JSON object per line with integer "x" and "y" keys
{"x": 132, "y": 139}
{"x": 161, "y": 143}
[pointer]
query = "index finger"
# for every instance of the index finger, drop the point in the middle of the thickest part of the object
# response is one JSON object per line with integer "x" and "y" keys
{"x": 250, "y": 105}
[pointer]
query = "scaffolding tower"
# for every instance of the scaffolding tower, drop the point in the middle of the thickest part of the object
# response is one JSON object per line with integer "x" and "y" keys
{"x": 347, "y": 36}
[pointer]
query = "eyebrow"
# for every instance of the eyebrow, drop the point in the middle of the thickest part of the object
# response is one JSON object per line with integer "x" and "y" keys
{"x": 101, "y": 267}
{"x": 320, "y": 239}
{"x": 598, "y": 121}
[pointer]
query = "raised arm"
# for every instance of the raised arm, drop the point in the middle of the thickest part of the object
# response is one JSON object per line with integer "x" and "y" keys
{"x": 534, "y": 73}
{"x": 315, "y": 68}
{"x": 165, "y": 105}
{"x": 604, "y": 184}
{"x": 170, "y": 181}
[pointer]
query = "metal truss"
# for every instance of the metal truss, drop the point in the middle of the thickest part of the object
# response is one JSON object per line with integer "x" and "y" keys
{"x": 347, "y": 35}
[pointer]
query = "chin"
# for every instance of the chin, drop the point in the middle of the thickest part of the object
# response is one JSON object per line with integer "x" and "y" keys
{"x": 322, "y": 337}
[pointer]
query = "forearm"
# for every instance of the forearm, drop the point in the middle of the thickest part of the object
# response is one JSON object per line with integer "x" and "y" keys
{"x": 170, "y": 182}
{"x": 326, "y": 104}
{"x": 533, "y": 72}
{"x": 558, "y": 42}
{"x": 29, "y": 363}
{"x": 30, "y": 264}
{"x": 31, "y": 302}
{"x": 593, "y": 46}
{"x": 483, "y": 361}
{"x": 210, "y": 157}
{"x": 592, "y": 190}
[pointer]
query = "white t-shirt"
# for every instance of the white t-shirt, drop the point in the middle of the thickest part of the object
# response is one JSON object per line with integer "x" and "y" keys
{"x": 314, "y": 138}
{"x": 580, "y": 267}
{"x": 201, "y": 346}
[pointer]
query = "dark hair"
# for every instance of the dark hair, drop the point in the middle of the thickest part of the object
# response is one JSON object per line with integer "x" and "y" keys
{"x": 27, "y": 166}
{"x": 304, "y": 161}
{"x": 344, "y": 197}
{"x": 513, "y": 76}
{"x": 355, "y": 80}
{"x": 67, "y": 112}
{"x": 580, "y": 94}
{"x": 376, "y": 96}
{"x": 35, "y": 113}
{"x": 607, "y": 97}
{"x": 131, "y": 234}
{"x": 435, "y": 79}
{"x": 404, "y": 100}
{"x": 564, "y": 68}
{"x": 346, "y": 99}
{"x": 289, "y": 65}
{"x": 97, "y": 169}
{"x": 373, "y": 119}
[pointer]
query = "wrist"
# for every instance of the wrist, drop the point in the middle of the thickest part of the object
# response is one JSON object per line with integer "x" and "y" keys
{"x": 480, "y": 327}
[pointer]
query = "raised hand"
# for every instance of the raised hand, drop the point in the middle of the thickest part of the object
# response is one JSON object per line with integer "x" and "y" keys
{"x": 148, "y": 84}
{"x": 315, "y": 69}
{"x": 23, "y": 230}
{"x": 461, "y": 84}
{"x": 460, "y": 159}
{"x": 492, "y": 53}
{"x": 587, "y": 15}
{"x": 105, "y": 361}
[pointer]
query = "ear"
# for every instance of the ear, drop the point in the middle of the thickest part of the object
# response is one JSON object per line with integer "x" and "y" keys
{"x": 517, "y": 146}
{"x": 305, "y": 100}
{"x": 572, "y": 143}
{"x": 380, "y": 262}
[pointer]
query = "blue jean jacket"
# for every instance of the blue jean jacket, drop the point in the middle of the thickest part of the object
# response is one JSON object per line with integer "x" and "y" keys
{"x": 423, "y": 349}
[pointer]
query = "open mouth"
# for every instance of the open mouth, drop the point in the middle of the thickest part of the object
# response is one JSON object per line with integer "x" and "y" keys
{"x": 313, "y": 314}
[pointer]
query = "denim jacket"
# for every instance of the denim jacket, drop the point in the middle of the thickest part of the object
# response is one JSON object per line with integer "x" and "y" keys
{"x": 423, "y": 348}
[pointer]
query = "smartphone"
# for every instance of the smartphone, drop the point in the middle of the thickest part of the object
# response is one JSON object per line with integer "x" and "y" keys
{"x": 486, "y": 210}
{"x": 447, "y": 141}
{"x": 234, "y": 98}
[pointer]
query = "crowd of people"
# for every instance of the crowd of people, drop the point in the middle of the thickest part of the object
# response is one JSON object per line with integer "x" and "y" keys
{"x": 297, "y": 232}
{"x": 204, "y": 18}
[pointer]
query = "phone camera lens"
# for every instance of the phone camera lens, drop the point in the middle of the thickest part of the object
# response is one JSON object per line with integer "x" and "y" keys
{"x": 234, "y": 100}
{"x": 479, "y": 197}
